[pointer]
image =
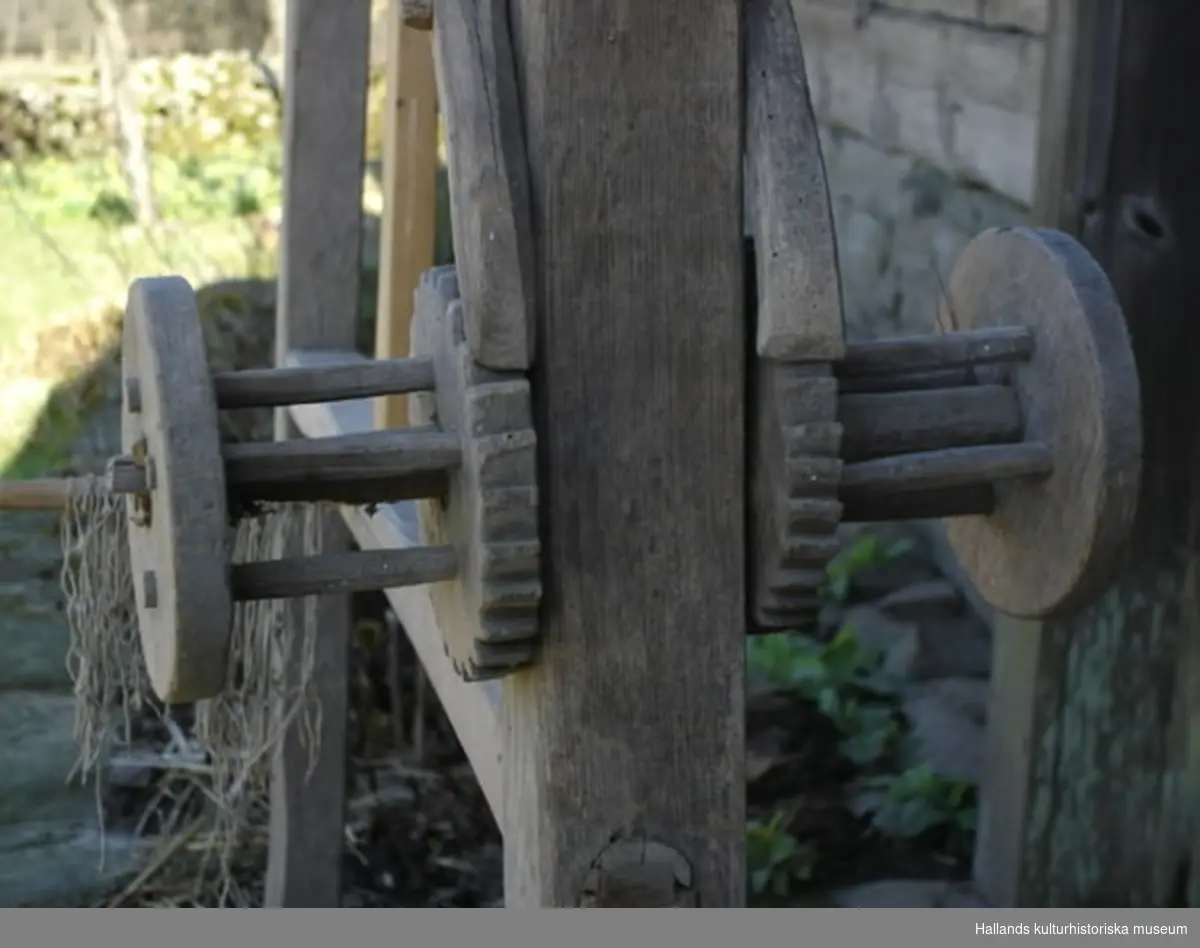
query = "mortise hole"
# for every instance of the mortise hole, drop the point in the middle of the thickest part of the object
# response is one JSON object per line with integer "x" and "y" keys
{"x": 1148, "y": 225}
{"x": 1142, "y": 217}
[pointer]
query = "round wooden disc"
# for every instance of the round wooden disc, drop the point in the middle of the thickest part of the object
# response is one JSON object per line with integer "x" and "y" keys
{"x": 177, "y": 531}
{"x": 1052, "y": 542}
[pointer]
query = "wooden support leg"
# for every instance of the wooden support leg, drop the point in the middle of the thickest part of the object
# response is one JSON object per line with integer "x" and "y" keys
{"x": 407, "y": 233}
{"x": 324, "y": 131}
{"x": 1092, "y": 778}
{"x": 624, "y": 746}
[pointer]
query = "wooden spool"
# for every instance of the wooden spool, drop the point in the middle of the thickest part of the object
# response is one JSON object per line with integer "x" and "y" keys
{"x": 178, "y": 548}
{"x": 1050, "y": 543}
{"x": 1022, "y": 429}
{"x": 1020, "y": 424}
{"x": 184, "y": 487}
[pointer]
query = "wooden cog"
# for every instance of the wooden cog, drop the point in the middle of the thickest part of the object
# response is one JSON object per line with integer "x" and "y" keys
{"x": 794, "y": 486}
{"x": 177, "y": 529}
{"x": 488, "y": 614}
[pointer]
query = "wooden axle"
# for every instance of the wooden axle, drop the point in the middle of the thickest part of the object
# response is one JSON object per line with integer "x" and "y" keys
{"x": 362, "y": 571}
{"x": 306, "y": 385}
{"x": 472, "y": 457}
{"x": 379, "y": 467}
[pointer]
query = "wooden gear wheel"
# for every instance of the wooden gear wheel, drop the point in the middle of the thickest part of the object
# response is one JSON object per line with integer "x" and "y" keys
{"x": 1051, "y": 543}
{"x": 489, "y": 613}
{"x": 178, "y": 540}
{"x": 471, "y": 462}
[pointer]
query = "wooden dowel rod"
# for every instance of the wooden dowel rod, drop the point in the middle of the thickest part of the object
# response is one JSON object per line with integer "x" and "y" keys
{"x": 943, "y": 470}
{"x": 879, "y": 425}
{"x": 40, "y": 494}
{"x": 396, "y": 464}
{"x": 312, "y": 385}
{"x": 928, "y": 353}
{"x": 978, "y": 500}
{"x": 940, "y": 378}
{"x": 374, "y": 467}
{"x": 332, "y": 573}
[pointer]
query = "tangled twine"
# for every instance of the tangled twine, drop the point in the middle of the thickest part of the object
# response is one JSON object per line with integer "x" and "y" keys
{"x": 270, "y": 668}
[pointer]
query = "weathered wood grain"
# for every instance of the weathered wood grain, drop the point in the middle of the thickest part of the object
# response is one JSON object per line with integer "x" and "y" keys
{"x": 178, "y": 551}
{"x": 349, "y": 378}
{"x": 408, "y": 225}
{"x": 489, "y": 614}
{"x": 326, "y": 60}
{"x": 630, "y": 725}
{"x": 799, "y": 291}
{"x": 875, "y": 425}
{"x": 1092, "y": 773}
{"x": 489, "y": 180}
{"x": 354, "y": 571}
{"x": 473, "y": 709}
{"x": 392, "y": 465}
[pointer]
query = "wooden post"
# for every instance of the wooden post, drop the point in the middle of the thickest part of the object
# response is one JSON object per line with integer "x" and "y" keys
{"x": 624, "y": 746}
{"x": 408, "y": 225}
{"x": 1092, "y": 780}
{"x": 326, "y": 60}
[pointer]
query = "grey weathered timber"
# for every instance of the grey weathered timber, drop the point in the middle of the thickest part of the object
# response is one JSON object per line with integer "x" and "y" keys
{"x": 799, "y": 290}
{"x": 1092, "y": 775}
{"x": 629, "y": 729}
{"x": 489, "y": 180}
{"x": 324, "y": 129}
{"x": 278, "y": 387}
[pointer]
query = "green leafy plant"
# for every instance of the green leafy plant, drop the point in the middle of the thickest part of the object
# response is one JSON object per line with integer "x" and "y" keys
{"x": 867, "y": 550}
{"x": 911, "y": 803}
{"x": 777, "y": 861}
{"x": 842, "y": 679}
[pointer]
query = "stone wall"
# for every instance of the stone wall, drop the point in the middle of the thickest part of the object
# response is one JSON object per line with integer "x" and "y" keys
{"x": 928, "y": 113}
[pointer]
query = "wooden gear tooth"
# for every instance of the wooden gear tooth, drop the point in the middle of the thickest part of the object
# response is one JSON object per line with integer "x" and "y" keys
{"x": 796, "y": 511}
{"x": 489, "y": 614}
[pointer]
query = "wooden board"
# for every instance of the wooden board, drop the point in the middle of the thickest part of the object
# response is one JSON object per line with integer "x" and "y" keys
{"x": 409, "y": 221}
{"x": 488, "y": 178}
{"x": 1092, "y": 767}
{"x": 630, "y": 725}
{"x": 327, "y": 56}
{"x": 799, "y": 314}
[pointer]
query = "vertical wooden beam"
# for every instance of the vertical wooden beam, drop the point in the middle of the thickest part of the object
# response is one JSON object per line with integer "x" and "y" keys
{"x": 624, "y": 746}
{"x": 406, "y": 240}
{"x": 1092, "y": 781}
{"x": 326, "y": 62}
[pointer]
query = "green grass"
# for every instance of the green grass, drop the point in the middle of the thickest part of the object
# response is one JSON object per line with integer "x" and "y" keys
{"x": 70, "y": 248}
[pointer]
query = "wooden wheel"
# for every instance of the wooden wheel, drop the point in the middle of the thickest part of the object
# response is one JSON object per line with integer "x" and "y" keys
{"x": 178, "y": 544}
{"x": 1051, "y": 543}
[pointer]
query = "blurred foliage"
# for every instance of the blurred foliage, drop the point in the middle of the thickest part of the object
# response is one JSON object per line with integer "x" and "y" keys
{"x": 194, "y": 107}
